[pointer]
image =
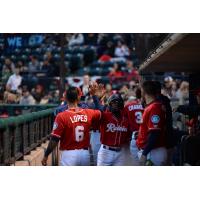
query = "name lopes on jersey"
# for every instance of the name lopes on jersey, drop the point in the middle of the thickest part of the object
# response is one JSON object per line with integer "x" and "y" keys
{"x": 112, "y": 128}
{"x": 79, "y": 118}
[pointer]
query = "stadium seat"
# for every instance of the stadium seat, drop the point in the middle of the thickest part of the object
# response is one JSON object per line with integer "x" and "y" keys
{"x": 83, "y": 70}
{"x": 95, "y": 71}
{"x": 27, "y": 51}
{"x": 105, "y": 71}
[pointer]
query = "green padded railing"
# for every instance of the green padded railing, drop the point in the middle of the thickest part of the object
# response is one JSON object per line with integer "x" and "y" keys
{"x": 19, "y": 135}
{"x": 11, "y": 108}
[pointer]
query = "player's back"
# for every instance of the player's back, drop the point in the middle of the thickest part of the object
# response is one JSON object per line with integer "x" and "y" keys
{"x": 134, "y": 111}
{"x": 77, "y": 124}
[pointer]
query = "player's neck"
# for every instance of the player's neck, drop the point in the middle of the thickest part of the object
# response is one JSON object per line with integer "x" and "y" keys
{"x": 150, "y": 99}
{"x": 72, "y": 105}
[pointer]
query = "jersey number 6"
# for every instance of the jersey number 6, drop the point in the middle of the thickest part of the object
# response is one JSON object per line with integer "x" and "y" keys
{"x": 79, "y": 133}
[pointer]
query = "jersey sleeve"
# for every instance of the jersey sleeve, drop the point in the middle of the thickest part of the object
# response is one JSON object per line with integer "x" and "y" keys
{"x": 96, "y": 115}
{"x": 58, "y": 127}
{"x": 155, "y": 119}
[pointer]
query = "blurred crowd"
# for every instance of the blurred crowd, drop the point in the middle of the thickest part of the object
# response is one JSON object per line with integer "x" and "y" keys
{"x": 20, "y": 80}
{"x": 15, "y": 72}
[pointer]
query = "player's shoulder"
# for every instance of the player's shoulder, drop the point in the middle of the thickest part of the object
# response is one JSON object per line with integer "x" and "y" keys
{"x": 155, "y": 105}
{"x": 61, "y": 115}
{"x": 89, "y": 111}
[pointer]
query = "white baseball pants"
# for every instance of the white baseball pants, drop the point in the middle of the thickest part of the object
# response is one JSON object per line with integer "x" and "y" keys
{"x": 95, "y": 144}
{"x": 78, "y": 157}
{"x": 110, "y": 158}
{"x": 158, "y": 156}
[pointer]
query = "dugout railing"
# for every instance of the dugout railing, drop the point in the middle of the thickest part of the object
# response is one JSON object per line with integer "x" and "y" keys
{"x": 19, "y": 135}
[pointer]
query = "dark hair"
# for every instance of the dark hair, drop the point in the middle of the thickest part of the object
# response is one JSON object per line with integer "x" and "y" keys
{"x": 72, "y": 94}
{"x": 150, "y": 88}
{"x": 158, "y": 86}
{"x": 138, "y": 93}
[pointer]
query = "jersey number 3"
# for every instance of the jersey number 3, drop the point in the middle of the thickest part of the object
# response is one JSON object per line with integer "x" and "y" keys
{"x": 138, "y": 117}
{"x": 79, "y": 133}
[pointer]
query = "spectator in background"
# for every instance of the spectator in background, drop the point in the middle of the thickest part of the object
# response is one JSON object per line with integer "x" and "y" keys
{"x": 76, "y": 39}
{"x": 21, "y": 65}
{"x": 6, "y": 73}
{"x": 174, "y": 89}
{"x": 90, "y": 39}
{"x": 33, "y": 64}
{"x": 167, "y": 90}
{"x": 56, "y": 98}
{"x": 27, "y": 98}
{"x": 14, "y": 81}
{"x": 105, "y": 57}
{"x": 46, "y": 66}
{"x": 183, "y": 93}
{"x": 124, "y": 90}
{"x": 1, "y": 96}
{"x": 52, "y": 64}
{"x": 132, "y": 72}
{"x": 9, "y": 64}
{"x": 46, "y": 99}
{"x": 85, "y": 86}
{"x": 121, "y": 50}
{"x": 10, "y": 98}
{"x": 108, "y": 92}
{"x": 115, "y": 71}
{"x": 38, "y": 93}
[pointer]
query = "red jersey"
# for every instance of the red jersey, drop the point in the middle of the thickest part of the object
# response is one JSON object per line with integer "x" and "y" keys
{"x": 134, "y": 112}
{"x": 72, "y": 127}
{"x": 114, "y": 132}
{"x": 153, "y": 119}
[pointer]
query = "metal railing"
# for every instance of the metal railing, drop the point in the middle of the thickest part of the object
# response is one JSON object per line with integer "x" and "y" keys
{"x": 19, "y": 135}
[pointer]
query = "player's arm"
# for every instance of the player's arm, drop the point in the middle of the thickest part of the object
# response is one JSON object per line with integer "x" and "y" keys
{"x": 51, "y": 146}
{"x": 152, "y": 140}
{"x": 97, "y": 92}
{"x": 154, "y": 131}
{"x": 58, "y": 129}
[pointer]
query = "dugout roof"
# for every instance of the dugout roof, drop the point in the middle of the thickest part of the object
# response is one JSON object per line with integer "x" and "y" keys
{"x": 177, "y": 53}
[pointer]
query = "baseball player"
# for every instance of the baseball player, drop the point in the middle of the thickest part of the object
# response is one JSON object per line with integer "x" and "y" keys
{"x": 71, "y": 128}
{"x": 134, "y": 110}
{"x": 114, "y": 130}
{"x": 150, "y": 145}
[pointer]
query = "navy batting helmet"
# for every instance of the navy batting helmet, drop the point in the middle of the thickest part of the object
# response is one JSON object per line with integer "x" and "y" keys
{"x": 117, "y": 98}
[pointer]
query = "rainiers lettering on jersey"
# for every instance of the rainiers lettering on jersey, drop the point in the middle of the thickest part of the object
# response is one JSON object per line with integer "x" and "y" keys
{"x": 72, "y": 127}
{"x": 154, "y": 118}
{"x": 114, "y": 132}
{"x": 134, "y": 111}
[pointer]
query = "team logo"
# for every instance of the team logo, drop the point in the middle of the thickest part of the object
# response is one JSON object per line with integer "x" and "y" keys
{"x": 155, "y": 119}
{"x": 55, "y": 126}
{"x": 112, "y": 128}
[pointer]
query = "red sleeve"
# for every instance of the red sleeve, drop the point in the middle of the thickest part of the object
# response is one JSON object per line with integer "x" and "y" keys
{"x": 154, "y": 120}
{"x": 58, "y": 127}
{"x": 96, "y": 115}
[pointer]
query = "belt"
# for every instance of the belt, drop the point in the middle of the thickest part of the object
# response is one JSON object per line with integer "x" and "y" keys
{"x": 75, "y": 149}
{"x": 117, "y": 149}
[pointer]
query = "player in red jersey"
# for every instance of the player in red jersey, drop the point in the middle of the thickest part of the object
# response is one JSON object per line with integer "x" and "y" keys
{"x": 71, "y": 128}
{"x": 114, "y": 130}
{"x": 151, "y": 141}
{"x": 134, "y": 110}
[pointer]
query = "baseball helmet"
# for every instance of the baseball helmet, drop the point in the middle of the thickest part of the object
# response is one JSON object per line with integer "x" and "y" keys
{"x": 116, "y": 97}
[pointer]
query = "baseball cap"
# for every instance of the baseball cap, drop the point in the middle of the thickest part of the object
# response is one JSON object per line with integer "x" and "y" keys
{"x": 168, "y": 79}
